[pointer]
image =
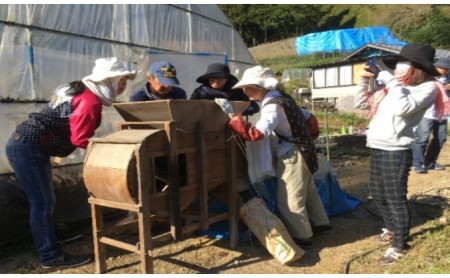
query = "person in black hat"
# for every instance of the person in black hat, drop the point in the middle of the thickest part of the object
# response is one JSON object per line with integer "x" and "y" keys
{"x": 395, "y": 110}
{"x": 424, "y": 154}
{"x": 217, "y": 82}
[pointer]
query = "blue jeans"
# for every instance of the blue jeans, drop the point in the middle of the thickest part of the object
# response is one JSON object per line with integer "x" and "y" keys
{"x": 423, "y": 155}
{"x": 33, "y": 171}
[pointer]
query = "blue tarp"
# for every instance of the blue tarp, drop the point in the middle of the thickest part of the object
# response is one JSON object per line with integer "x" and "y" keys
{"x": 334, "y": 199}
{"x": 344, "y": 40}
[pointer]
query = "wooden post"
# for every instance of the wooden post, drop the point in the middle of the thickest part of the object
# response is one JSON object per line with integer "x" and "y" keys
{"x": 232, "y": 191}
{"x": 99, "y": 248}
{"x": 174, "y": 186}
{"x": 203, "y": 188}
{"x": 145, "y": 172}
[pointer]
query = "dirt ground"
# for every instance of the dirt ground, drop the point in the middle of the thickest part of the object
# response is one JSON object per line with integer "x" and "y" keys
{"x": 341, "y": 251}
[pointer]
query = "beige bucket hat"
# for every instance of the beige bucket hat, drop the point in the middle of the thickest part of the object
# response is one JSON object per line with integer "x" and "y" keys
{"x": 262, "y": 77}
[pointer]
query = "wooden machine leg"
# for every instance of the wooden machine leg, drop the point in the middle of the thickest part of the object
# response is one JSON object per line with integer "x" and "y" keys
{"x": 174, "y": 185}
{"x": 145, "y": 240}
{"x": 232, "y": 192}
{"x": 145, "y": 172}
{"x": 99, "y": 248}
{"x": 203, "y": 188}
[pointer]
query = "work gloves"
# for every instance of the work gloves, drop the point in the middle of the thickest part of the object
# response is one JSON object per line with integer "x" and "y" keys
{"x": 237, "y": 122}
{"x": 225, "y": 105}
{"x": 245, "y": 129}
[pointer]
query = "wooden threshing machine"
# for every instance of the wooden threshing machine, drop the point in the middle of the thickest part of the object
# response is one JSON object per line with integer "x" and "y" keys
{"x": 164, "y": 161}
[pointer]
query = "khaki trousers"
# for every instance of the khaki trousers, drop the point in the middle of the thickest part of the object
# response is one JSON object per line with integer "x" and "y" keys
{"x": 297, "y": 197}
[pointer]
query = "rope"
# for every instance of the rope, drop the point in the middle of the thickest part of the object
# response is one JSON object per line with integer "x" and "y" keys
{"x": 359, "y": 255}
{"x": 240, "y": 143}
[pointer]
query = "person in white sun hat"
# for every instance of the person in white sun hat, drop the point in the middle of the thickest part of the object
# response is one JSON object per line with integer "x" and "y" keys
{"x": 67, "y": 122}
{"x": 285, "y": 155}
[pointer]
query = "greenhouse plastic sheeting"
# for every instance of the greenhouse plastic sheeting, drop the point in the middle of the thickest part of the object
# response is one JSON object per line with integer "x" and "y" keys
{"x": 344, "y": 40}
{"x": 43, "y": 46}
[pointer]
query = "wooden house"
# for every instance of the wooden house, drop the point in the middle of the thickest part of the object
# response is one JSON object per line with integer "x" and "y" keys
{"x": 333, "y": 85}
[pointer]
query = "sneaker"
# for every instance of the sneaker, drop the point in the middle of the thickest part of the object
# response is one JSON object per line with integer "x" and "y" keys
{"x": 304, "y": 243}
{"x": 420, "y": 169}
{"x": 67, "y": 260}
{"x": 435, "y": 166}
{"x": 391, "y": 255}
{"x": 386, "y": 236}
{"x": 322, "y": 229}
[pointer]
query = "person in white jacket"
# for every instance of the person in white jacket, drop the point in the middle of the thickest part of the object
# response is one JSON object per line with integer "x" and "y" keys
{"x": 394, "y": 111}
{"x": 285, "y": 156}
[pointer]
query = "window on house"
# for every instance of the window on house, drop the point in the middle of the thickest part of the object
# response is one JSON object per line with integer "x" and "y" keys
{"x": 345, "y": 75}
{"x": 333, "y": 76}
{"x": 319, "y": 78}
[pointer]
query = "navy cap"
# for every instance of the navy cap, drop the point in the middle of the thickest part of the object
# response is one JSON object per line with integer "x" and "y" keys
{"x": 442, "y": 63}
{"x": 165, "y": 72}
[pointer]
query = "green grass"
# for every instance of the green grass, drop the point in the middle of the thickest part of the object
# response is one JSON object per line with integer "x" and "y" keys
{"x": 430, "y": 253}
{"x": 278, "y": 64}
{"x": 336, "y": 120}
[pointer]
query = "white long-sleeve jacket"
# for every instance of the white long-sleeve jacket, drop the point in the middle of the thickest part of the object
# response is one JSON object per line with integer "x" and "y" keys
{"x": 398, "y": 113}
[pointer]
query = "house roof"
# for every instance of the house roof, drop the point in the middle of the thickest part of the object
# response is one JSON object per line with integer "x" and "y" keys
{"x": 373, "y": 50}
{"x": 376, "y": 50}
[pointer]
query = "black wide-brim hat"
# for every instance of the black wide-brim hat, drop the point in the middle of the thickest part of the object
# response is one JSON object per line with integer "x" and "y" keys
{"x": 217, "y": 70}
{"x": 422, "y": 54}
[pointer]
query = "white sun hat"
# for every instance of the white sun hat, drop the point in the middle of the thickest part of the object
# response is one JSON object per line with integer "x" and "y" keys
{"x": 262, "y": 77}
{"x": 109, "y": 67}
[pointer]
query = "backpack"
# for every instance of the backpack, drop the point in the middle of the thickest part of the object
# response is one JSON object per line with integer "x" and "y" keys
{"x": 313, "y": 126}
{"x": 300, "y": 130}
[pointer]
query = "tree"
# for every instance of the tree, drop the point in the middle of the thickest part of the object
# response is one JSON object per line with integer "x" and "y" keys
{"x": 272, "y": 22}
{"x": 263, "y": 23}
{"x": 434, "y": 29}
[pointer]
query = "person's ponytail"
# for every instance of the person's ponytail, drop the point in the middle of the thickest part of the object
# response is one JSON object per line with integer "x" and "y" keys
{"x": 75, "y": 88}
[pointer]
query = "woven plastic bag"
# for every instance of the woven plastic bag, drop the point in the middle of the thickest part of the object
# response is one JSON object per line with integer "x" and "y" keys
{"x": 270, "y": 231}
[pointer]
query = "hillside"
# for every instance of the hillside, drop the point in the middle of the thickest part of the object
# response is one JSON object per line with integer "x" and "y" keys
{"x": 282, "y": 55}
{"x": 407, "y": 22}
{"x": 273, "y": 50}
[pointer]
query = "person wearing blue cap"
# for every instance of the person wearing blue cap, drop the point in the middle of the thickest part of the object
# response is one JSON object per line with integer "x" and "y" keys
{"x": 162, "y": 83}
